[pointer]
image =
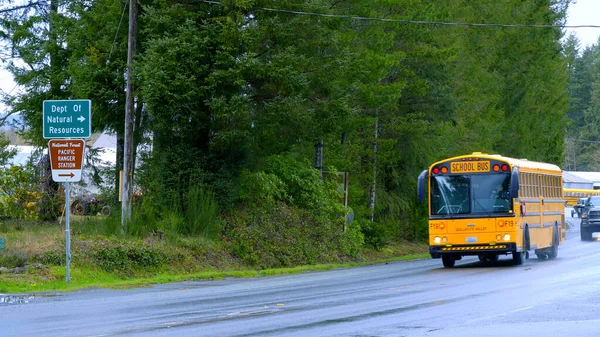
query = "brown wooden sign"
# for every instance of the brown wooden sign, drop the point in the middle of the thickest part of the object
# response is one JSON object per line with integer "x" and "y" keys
{"x": 66, "y": 159}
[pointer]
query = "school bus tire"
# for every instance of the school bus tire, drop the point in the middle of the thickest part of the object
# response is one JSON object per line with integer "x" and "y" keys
{"x": 553, "y": 250}
{"x": 448, "y": 260}
{"x": 520, "y": 257}
{"x": 541, "y": 255}
{"x": 526, "y": 241}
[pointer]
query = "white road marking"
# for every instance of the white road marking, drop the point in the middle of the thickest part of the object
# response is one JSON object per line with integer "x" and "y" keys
{"x": 499, "y": 315}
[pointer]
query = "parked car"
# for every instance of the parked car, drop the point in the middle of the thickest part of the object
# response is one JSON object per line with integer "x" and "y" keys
{"x": 590, "y": 218}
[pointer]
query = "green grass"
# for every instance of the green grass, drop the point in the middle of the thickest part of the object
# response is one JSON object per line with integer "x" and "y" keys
{"x": 85, "y": 277}
{"x": 148, "y": 260}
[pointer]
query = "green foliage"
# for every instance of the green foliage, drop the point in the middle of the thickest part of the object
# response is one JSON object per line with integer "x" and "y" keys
{"x": 283, "y": 236}
{"x": 294, "y": 182}
{"x": 5, "y": 153}
{"x": 376, "y": 235}
{"x": 261, "y": 187}
{"x": 303, "y": 186}
{"x": 200, "y": 214}
{"x": 125, "y": 257}
{"x": 140, "y": 226}
{"x": 236, "y": 97}
{"x": 582, "y": 150}
{"x": 18, "y": 192}
{"x": 170, "y": 223}
{"x": 352, "y": 240}
{"x": 13, "y": 260}
{"x": 195, "y": 216}
{"x": 52, "y": 258}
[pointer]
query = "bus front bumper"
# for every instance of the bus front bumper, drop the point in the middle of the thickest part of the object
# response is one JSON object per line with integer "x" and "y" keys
{"x": 436, "y": 252}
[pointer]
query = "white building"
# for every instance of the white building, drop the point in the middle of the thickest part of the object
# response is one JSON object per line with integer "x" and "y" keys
{"x": 581, "y": 180}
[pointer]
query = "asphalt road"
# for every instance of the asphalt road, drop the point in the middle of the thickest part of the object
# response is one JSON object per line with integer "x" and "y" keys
{"x": 415, "y": 298}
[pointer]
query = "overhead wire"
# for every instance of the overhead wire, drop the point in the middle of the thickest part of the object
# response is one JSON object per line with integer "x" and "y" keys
{"x": 118, "y": 28}
{"x": 421, "y": 22}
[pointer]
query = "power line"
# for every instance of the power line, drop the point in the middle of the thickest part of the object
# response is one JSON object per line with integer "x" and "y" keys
{"x": 16, "y": 8}
{"x": 117, "y": 32}
{"x": 583, "y": 140}
{"x": 421, "y": 22}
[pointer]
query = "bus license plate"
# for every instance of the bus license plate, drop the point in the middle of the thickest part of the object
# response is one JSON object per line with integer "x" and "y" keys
{"x": 471, "y": 239}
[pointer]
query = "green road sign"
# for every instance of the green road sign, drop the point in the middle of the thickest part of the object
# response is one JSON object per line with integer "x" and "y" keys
{"x": 67, "y": 118}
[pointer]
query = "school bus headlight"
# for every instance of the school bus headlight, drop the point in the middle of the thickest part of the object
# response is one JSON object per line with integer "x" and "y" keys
{"x": 444, "y": 239}
{"x": 437, "y": 240}
{"x": 498, "y": 237}
{"x": 506, "y": 237}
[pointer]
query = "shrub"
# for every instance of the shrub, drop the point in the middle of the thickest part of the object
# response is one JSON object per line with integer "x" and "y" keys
{"x": 283, "y": 237}
{"x": 126, "y": 257}
{"x": 12, "y": 260}
{"x": 352, "y": 240}
{"x": 303, "y": 185}
{"x": 200, "y": 213}
{"x": 375, "y": 234}
{"x": 53, "y": 258}
{"x": 261, "y": 187}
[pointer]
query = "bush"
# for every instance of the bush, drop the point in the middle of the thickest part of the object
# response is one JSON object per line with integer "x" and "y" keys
{"x": 284, "y": 237}
{"x": 291, "y": 217}
{"x": 261, "y": 187}
{"x": 352, "y": 240}
{"x": 303, "y": 185}
{"x": 376, "y": 236}
{"x": 200, "y": 214}
{"x": 12, "y": 260}
{"x": 52, "y": 258}
{"x": 126, "y": 257}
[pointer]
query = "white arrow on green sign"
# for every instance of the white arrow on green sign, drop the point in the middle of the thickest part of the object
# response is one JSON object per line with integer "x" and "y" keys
{"x": 67, "y": 118}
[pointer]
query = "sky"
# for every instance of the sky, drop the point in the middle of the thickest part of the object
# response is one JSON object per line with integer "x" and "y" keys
{"x": 582, "y": 12}
{"x": 585, "y": 12}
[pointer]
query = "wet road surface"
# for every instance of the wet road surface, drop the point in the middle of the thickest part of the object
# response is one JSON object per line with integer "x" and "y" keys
{"x": 414, "y": 298}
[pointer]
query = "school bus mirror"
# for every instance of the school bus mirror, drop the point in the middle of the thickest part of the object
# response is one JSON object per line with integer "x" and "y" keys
{"x": 514, "y": 183}
{"x": 422, "y": 186}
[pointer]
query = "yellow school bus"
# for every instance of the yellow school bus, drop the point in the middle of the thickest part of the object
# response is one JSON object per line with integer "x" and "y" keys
{"x": 572, "y": 195}
{"x": 489, "y": 205}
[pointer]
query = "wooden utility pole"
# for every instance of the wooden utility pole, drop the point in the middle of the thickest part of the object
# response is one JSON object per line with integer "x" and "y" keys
{"x": 129, "y": 111}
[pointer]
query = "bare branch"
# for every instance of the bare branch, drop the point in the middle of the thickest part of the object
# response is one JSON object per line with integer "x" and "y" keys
{"x": 16, "y": 8}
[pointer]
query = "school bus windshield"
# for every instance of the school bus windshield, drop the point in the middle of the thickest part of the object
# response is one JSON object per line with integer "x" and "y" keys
{"x": 470, "y": 194}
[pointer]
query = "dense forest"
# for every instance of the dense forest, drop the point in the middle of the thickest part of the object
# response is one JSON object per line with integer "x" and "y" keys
{"x": 256, "y": 106}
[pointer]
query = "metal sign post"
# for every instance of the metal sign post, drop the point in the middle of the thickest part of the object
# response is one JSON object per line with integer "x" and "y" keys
{"x": 65, "y": 123}
{"x": 66, "y": 161}
{"x": 68, "y": 230}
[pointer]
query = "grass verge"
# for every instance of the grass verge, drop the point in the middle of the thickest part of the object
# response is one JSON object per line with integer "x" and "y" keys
{"x": 114, "y": 262}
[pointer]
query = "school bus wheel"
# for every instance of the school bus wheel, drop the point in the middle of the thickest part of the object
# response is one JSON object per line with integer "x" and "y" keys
{"x": 448, "y": 260}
